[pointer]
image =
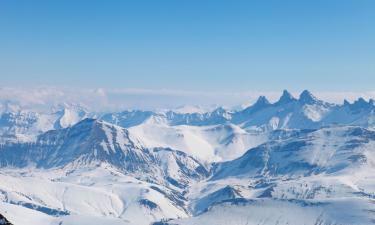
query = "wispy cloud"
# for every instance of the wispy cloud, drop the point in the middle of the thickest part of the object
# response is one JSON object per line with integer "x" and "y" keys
{"x": 102, "y": 99}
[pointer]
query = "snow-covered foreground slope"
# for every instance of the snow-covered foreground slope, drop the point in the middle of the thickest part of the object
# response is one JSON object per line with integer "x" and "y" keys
{"x": 295, "y": 161}
{"x": 286, "y": 212}
{"x": 101, "y": 195}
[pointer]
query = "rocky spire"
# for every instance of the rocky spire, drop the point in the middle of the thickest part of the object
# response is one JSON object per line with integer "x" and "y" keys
{"x": 307, "y": 98}
{"x": 285, "y": 98}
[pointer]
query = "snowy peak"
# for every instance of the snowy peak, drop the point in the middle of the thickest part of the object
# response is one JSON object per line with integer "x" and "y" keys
{"x": 88, "y": 142}
{"x": 91, "y": 143}
{"x": 70, "y": 116}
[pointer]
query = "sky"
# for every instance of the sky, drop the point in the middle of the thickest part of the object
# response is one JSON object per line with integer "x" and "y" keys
{"x": 196, "y": 46}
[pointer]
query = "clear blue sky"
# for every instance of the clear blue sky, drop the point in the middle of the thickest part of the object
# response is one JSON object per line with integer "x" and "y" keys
{"x": 189, "y": 44}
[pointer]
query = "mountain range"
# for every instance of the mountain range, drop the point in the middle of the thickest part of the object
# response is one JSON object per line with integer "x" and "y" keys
{"x": 295, "y": 161}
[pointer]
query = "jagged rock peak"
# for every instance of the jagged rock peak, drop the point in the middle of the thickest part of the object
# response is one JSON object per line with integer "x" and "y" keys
{"x": 361, "y": 101}
{"x": 307, "y": 98}
{"x": 360, "y": 104}
{"x": 286, "y": 97}
{"x": 262, "y": 100}
{"x": 259, "y": 104}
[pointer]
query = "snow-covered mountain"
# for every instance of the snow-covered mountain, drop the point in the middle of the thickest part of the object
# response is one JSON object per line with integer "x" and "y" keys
{"x": 325, "y": 175}
{"x": 303, "y": 153}
{"x": 306, "y": 112}
{"x": 92, "y": 142}
{"x": 295, "y": 161}
{"x": 288, "y": 112}
{"x": 24, "y": 125}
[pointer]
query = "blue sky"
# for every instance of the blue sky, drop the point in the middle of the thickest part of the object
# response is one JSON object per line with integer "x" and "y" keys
{"x": 189, "y": 44}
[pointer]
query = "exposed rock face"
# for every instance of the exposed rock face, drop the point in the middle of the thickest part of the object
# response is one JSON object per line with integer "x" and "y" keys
{"x": 4, "y": 221}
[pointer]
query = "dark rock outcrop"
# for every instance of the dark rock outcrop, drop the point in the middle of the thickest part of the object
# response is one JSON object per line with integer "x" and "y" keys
{"x": 4, "y": 221}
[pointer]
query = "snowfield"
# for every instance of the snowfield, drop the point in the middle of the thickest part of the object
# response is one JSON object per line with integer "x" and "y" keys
{"x": 296, "y": 161}
{"x": 92, "y": 195}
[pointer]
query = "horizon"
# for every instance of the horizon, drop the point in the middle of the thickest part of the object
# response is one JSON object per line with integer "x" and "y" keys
{"x": 101, "y": 99}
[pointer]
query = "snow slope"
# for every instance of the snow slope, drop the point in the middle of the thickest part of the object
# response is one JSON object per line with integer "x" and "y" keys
{"x": 92, "y": 194}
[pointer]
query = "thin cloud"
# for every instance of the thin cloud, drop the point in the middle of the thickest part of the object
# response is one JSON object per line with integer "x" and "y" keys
{"x": 102, "y": 99}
